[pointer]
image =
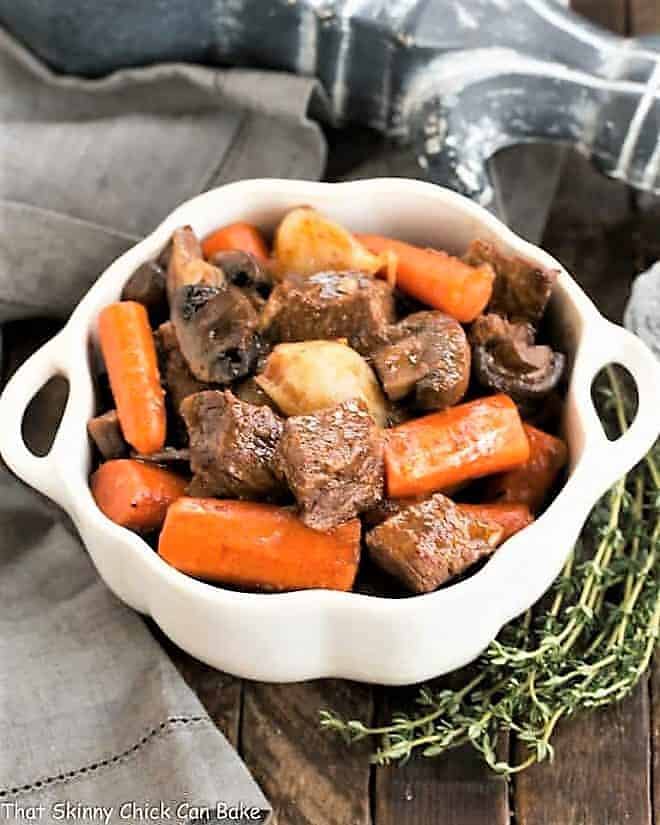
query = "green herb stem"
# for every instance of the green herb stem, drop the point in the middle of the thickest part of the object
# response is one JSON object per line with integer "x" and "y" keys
{"x": 589, "y": 648}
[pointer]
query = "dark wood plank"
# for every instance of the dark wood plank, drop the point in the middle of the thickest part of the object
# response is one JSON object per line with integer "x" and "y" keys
{"x": 309, "y": 776}
{"x": 454, "y": 789}
{"x": 601, "y": 771}
{"x": 645, "y": 16}
{"x": 647, "y": 252}
{"x": 655, "y": 738}
{"x": 612, "y": 14}
{"x": 592, "y": 232}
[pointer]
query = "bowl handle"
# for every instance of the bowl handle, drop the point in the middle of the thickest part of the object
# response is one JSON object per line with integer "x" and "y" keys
{"x": 41, "y": 472}
{"x": 612, "y": 344}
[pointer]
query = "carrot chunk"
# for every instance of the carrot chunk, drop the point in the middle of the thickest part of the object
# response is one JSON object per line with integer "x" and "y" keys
{"x": 436, "y": 278}
{"x": 134, "y": 494}
{"x": 239, "y": 235}
{"x": 531, "y": 483}
{"x": 257, "y": 546}
{"x": 129, "y": 353}
{"x": 458, "y": 444}
{"x": 510, "y": 517}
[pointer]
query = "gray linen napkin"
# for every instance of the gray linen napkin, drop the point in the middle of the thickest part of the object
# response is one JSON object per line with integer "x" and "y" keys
{"x": 92, "y": 712}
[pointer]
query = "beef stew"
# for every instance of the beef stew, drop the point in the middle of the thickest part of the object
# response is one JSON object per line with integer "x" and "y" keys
{"x": 334, "y": 392}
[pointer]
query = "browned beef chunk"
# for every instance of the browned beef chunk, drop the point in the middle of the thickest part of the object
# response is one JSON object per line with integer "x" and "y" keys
{"x": 232, "y": 446}
{"x": 147, "y": 286}
{"x": 521, "y": 290}
{"x": 175, "y": 373}
{"x": 507, "y": 360}
{"x": 216, "y": 328}
{"x": 332, "y": 461}
{"x": 244, "y": 271}
{"x": 330, "y": 305}
{"x": 388, "y": 507}
{"x": 429, "y": 355}
{"x": 430, "y": 542}
{"x": 105, "y": 432}
{"x": 186, "y": 264}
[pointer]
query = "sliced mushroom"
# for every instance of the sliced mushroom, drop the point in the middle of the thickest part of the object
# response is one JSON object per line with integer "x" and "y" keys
{"x": 187, "y": 265}
{"x": 174, "y": 370}
{"x": 216, "y": 330}
{"x": 245, "y": 272}
{"x": 429, "y": 355}
{"x": 507, "y": 360}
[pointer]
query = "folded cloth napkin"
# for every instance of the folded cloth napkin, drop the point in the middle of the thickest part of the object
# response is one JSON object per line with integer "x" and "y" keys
{"x": 92, "y": 712}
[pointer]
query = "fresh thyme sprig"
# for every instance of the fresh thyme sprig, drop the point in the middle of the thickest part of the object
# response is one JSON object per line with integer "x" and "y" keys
{"x": 587, "y": 646}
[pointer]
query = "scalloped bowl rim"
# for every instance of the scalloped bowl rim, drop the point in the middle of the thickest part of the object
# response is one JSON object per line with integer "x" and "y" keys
{"x": 66, "y": 481}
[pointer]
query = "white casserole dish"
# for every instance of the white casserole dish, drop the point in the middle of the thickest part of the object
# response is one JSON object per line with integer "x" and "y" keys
{"x": 304, "y": 635}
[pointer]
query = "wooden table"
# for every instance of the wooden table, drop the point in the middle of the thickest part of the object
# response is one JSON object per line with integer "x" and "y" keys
{"x": 607, "y": 767}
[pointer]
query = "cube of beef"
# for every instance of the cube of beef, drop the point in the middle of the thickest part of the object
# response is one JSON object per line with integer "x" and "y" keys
{"x": 332, "y": 461}
{"x": 175, "y": 373}
{"x": 521, "y": 290}
{"x": 430, "y": 542}
{"x": 105, "y": 432}
{"x": 232, "y": 445}
{"x": 330, "y": 305}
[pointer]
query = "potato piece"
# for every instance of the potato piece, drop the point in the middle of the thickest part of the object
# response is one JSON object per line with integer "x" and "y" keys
{"x": 306, "y": 243}
{"x": 312, "y": 375}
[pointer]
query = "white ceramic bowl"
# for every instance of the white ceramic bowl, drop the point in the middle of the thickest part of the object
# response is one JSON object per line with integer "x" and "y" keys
{"x": 303, "y": 635}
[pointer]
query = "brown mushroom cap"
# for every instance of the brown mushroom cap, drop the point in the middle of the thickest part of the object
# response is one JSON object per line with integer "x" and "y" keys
{"x": 506, "y": 359}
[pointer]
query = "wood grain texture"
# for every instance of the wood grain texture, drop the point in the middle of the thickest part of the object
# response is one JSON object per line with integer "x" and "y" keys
{"x": 591, "y": 232}
{"x": 601, "y": 771}
{"x": 456, "y": 789}
{"x": 611, "y": 14}
{"x": 644, "y": 16}
{"x": 309, "y": 776}
{"x": 655, "y": 738}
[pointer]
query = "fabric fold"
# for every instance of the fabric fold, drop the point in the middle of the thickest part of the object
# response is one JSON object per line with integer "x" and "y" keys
{"x": 92, "y": 711}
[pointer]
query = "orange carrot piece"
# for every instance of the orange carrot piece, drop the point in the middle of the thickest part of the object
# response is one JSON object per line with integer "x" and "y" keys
{"x": 257, "y": 546}
{"x": 129, "y": 352}
{"x": 531, "y": 483}
{"x": 239, "y": 235}
{"x": 510, "y": 517}
{"x": 134, "y": 494}
{"x": 458, "y": 444}
{"x": 436, "y": 278}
